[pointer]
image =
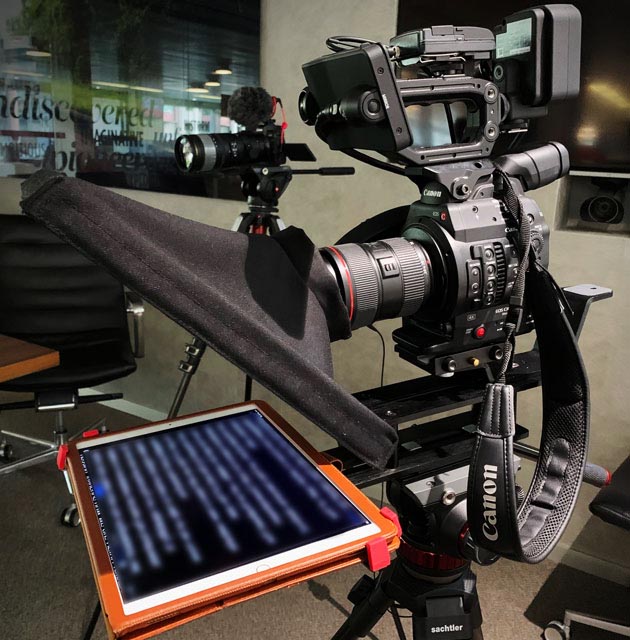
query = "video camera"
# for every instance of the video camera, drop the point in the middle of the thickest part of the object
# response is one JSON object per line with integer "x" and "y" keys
{"x": 435, "y": 101}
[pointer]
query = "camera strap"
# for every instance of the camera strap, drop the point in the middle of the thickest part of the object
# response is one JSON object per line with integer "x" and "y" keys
{"x": 528, "y": 531}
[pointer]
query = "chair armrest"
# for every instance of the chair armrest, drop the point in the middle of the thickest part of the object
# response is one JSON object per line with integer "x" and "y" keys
{"x": 135, "y": 308}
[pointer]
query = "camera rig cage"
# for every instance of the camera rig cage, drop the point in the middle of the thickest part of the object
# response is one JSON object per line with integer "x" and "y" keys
{"x": 364, "y": 96}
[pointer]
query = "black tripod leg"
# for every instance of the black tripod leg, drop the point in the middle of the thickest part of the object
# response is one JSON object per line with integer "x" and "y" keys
{"x": 365, "y": 615}
{"x": 398, "y": 622}
{"x": 89, "y": 631}
{"x": 188, "y": 367}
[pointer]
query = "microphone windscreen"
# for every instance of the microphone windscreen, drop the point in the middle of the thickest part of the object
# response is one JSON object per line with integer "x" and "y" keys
{"x": 250, "y": 106}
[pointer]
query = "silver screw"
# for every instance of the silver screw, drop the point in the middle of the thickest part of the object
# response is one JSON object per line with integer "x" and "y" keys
{"x": 448, "y": 497}
{"x": 265, "y": 171}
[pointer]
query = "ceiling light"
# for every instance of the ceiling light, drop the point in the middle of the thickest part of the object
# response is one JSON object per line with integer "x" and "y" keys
{"x": 197, "y": 87}
{"x": 35, "y": 53}
{"x": 224, "y": 68}
{"x": 115, "y": 85}
{"x": 20, "y": 72}
{"x": 149, "y": 89}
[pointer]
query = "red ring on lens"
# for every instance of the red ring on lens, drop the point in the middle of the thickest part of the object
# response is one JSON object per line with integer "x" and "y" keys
{"x": 348, "y": 278}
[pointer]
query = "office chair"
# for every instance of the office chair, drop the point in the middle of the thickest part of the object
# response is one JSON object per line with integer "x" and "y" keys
{"x": 52, "y": 295}
{"x": 612, "y": 505}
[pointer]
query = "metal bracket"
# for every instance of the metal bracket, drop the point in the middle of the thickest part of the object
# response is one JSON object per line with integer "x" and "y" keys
{"x": 580, "y": 297}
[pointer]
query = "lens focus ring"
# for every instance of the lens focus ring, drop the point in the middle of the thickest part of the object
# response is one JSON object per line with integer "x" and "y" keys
{"x": 414, "y": 274}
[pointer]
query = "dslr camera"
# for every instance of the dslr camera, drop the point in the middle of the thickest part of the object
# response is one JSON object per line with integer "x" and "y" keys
{"x": 262, "y": 143}
{"x": 433, "y": 102}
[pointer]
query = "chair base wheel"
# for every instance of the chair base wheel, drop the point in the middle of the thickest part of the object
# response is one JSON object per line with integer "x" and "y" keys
{"x": 70, "y": 517}
{"x": 555, "y": 630}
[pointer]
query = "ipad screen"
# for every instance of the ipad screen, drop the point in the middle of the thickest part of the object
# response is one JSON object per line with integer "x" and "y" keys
{"x": 202, "y": 503}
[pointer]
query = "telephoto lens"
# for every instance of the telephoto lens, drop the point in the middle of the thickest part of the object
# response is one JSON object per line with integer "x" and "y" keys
{"x": 222, "y": 151}
{"x": 385, "y": 279}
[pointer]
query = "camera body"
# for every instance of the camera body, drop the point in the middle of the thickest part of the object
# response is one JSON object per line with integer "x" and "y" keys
{"x": 472, "y": 247}
{"x": 451, "y": 273}
{"x": 435, "y": 101}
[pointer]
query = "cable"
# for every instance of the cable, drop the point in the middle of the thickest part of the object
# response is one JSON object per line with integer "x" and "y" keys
{"x": 379, "y": 164}
{"x": 380, "y": 335}
{"x": 345, "y": 43}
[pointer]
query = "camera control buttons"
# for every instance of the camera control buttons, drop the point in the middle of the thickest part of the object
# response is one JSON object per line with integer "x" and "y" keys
{"x": 474, "y": 278}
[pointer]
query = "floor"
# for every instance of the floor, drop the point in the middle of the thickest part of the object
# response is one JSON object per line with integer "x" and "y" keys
{"x": 46, "y": 588}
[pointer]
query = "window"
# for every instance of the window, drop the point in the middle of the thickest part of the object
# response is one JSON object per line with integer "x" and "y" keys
{"x": 100, "y": 89}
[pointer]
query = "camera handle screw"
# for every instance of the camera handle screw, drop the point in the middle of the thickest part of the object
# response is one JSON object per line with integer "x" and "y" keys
{"x": 448, "y": 497}
{"x": 461, "y": 189}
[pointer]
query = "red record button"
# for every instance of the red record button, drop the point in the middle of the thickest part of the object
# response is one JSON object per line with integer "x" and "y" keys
{"x": 479, "y": 332}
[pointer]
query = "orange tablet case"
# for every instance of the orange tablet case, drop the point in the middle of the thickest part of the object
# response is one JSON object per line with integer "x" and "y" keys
{"x": 150, "y": 622}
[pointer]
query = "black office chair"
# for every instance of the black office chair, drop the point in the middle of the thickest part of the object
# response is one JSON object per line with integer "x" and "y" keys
{"x": 52, "y": 295}
{"x": 612, "y": 505}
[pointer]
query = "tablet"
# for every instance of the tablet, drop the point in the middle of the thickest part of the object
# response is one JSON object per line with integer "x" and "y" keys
{"x": 203, "y": 501}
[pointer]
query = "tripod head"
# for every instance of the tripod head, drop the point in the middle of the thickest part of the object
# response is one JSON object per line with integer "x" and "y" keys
{"x": 263, "y": 187}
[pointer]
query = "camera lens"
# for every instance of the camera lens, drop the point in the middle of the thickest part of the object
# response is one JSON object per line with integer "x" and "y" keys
{"x": 602, "y": 209}
{"x": 225, "y": 151}
{"x": 384, "y": 279}
{"x": 195, "y": 153}
{"x": 307, "y": 106}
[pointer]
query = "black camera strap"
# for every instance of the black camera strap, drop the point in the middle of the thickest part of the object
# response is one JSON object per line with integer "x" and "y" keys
{"x": 528, "y": 531}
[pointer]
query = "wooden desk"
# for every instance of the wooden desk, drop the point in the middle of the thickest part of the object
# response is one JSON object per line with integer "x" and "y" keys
{"x": 19, "y": 358}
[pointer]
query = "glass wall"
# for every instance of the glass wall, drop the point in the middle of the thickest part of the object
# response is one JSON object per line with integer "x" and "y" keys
{"x": 100, "y": 89}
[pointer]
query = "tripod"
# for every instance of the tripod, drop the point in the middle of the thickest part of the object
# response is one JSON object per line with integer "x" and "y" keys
{"x": 431, "y": 576}
{"x": 262, "y": 186}
{"x": 439, "y": 590}
{"x": 261, "y": 219}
